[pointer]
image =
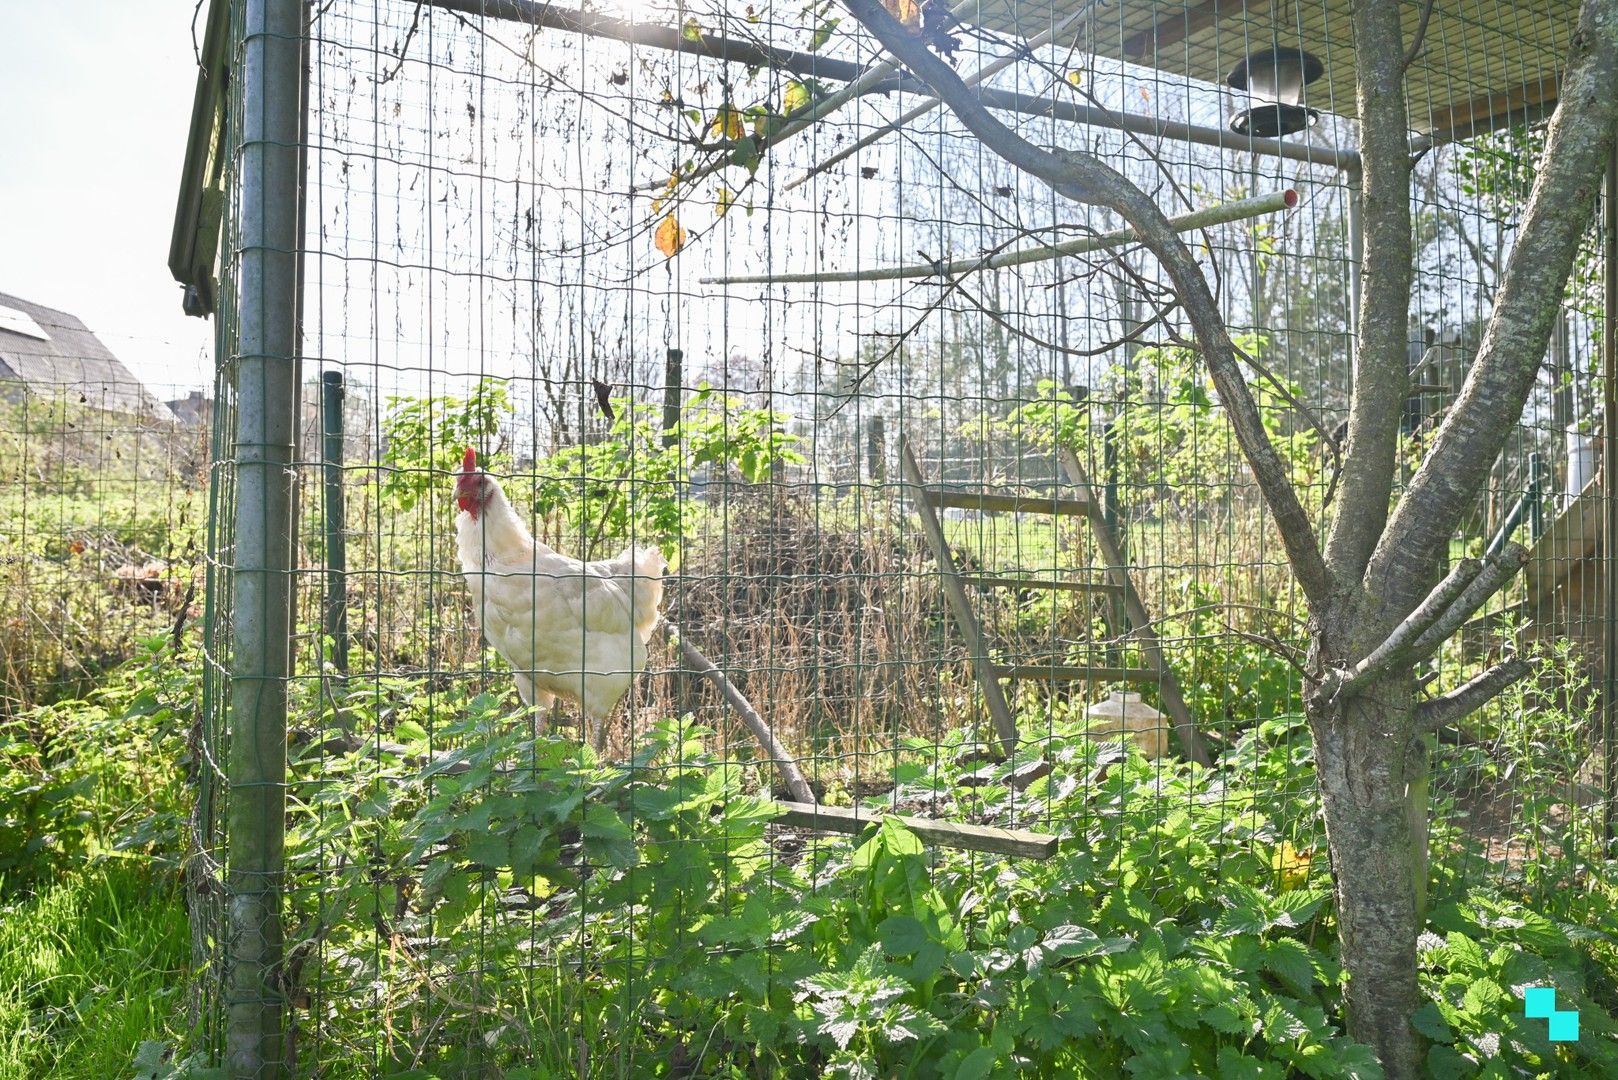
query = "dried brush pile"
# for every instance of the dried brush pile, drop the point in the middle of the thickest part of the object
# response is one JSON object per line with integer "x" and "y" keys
{"x": 831, "y": 624}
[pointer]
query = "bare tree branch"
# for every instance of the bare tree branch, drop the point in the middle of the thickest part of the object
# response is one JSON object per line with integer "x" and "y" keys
{"x": 1421, "y": 35}
{"x": 1525, "y": 308}
{"x": 1085, "y": 179}
{"x": 1495, "y": 573}
{"x": 1469, "y": 697}
{"x": 1380, "y": 364}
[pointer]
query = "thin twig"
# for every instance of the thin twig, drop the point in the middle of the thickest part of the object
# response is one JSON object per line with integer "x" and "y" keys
{"x": 1421, "y": 35}
{"x": 1471, "y": 696}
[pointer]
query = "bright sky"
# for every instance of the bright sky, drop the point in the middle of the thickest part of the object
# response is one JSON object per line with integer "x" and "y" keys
{"x": 96, "y": 102}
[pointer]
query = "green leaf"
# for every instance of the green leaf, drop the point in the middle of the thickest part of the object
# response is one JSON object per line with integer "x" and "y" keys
{"x": 823, "y": 34}
{"x": 1430, "y": 1022}
{"x": 746, "y": 154}
{"x": 1290, "y": 960}
{"x": 902, "y": 935}
{"x": 492, "y": 850}
{"x": 979, "y": 1064}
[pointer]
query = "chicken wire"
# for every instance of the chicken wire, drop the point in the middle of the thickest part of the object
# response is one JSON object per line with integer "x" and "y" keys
{"x": 485, "y": 238}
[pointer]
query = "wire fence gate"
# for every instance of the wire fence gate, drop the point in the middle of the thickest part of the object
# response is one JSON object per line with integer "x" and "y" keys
{"x": 944, "y": 492}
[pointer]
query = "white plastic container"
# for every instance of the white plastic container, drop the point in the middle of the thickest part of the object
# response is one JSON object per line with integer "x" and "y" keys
{"x": 1124, "y": 713}
{"x": 1581, "y": 461}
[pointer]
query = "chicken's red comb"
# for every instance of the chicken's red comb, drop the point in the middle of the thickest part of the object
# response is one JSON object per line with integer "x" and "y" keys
{"x": 470, "y": 461}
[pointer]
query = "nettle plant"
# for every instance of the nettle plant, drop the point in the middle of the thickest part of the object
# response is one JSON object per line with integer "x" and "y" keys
{"x": 639, "y": 481}
{"x": 423, "y": 438}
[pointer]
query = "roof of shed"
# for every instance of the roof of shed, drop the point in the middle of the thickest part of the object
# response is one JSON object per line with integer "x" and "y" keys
{"x": 1483, "y": 65}
{"x": 70, "y": 358}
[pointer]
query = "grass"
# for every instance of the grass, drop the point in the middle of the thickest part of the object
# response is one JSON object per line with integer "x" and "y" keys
{"x": 91, "y": 966}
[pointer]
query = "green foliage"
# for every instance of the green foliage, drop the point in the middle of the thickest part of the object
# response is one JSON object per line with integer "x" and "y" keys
{"x": 1479, "y": 953}
{"x": 1170, "y": 434}
{"x": 93, "y": 934}
{"x": 91, "y": 967}
{"x": 423, "y": 438}
{"x": 84, "y": 780}
{"x": 630, "y": 485}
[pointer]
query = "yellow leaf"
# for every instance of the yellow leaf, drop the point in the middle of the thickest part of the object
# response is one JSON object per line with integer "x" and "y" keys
{"x": 725, "y": 199}
{"x": 692, "y": 30}
{"x": 727, "y": 123}
{"x": 1292, "y": 865}
{"x": 797, "y": 97}
{"x": 1076, "y": 76}
{"x": 908, "y": 12}
{"x": 670, "y": 236}
{"x": 657, "y": 206}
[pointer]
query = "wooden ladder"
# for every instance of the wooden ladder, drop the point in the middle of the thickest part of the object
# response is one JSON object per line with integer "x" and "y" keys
{"x": 1082, "y": 503}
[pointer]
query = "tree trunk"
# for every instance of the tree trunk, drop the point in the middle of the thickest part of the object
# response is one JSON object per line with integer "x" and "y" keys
{"x": 1362, "y": 755}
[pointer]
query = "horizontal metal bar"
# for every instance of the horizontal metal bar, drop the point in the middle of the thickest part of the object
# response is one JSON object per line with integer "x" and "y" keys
{"x": 851, "y": 820}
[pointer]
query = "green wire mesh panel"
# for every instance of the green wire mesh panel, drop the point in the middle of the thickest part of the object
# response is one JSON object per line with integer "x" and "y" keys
{"x": 596, "y": 250}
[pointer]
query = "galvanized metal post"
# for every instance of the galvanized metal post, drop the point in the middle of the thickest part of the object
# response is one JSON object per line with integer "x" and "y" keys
{"x": 335, "y": 622}
{"x": 266, "y": 381}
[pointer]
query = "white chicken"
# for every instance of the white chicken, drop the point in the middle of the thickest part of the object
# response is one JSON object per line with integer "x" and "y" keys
{"x": 569, "y": 629}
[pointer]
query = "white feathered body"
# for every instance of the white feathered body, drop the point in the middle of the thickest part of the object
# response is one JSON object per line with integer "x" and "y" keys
{"x": 570, "y": 629}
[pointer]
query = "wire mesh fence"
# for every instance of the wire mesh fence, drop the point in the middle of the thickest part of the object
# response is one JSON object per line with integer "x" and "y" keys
{"x": 103, "y": 531}
{"x": 592, "y": 250}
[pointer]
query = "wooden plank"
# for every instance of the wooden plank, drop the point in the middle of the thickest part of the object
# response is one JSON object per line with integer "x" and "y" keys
{"x": 1178, "y": 26}
{"x": 960, "y": 604}
{"x": 996, "y": 581}
{"x": 988, "y": 502}
{"x": 1192, "y": 744}
{"x": 1018, "y": 843}
{"x": 1076, "y": 673}
{"x": 1573, "y": 536}
{"x": 1523, "y": 102}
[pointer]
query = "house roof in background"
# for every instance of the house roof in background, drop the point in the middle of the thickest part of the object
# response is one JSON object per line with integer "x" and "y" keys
{"x": 51, "y": 349}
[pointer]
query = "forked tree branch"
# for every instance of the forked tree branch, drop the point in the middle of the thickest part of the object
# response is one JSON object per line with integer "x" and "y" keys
{"x": 1514, "y": 342}
{"x": 1453, "y": 601}
{"x": 1397, "y": 646}
{"x": 1085, "y": 179}
{"x": 1470, "y": 697}
{"x": 1495, "y": 573}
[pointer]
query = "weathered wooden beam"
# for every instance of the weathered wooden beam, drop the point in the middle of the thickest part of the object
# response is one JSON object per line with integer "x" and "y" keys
{"x": 1192, "y": 744}
{"x": 1523, "y": 103}
{"x": 988, "y": 502}
{"x": 960, "y": 605}
{"x": 1018, "y": 843}
{"x": 1218, "y": 214}
{"x": 997, "y": 581}
{"x": 1175, "y": 28}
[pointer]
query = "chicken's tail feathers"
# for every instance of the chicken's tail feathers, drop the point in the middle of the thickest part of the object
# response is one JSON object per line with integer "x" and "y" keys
{"x": 647, "y": 564}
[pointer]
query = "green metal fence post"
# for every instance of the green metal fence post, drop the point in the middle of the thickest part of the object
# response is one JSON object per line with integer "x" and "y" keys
{"x": 335, "y": 622}
{"x": 266, "y": 380}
